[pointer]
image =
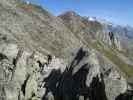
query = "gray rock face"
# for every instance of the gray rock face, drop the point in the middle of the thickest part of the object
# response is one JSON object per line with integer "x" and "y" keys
{"x": 41, "y": 58}
{"x": 124, "y": 33}
{"x": 85, "y": 78}
{"x": 31, "y": 26}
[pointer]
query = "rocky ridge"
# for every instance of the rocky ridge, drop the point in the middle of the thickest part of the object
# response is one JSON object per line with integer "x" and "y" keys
{"x": 44, "y": 57}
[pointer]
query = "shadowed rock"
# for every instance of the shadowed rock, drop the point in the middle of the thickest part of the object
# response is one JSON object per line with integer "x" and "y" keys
{"x": 71, "y": 86}
{"x": 2, "y": 56}
{"x": 97, "y": 89}
{"x": 24, "y": 85}
{"x": 125, "y": 96}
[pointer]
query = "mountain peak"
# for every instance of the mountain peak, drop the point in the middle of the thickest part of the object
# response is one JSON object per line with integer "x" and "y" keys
{"x": 69, "y": 13}
{"x": 41, "y": 53}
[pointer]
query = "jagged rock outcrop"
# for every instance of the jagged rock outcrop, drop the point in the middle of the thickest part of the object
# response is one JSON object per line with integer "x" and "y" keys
{"x": 85, "y": 78}
{"x": 41, "y": 58}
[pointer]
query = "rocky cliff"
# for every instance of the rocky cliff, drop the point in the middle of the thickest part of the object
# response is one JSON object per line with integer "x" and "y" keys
{"x": 44, "y": 57}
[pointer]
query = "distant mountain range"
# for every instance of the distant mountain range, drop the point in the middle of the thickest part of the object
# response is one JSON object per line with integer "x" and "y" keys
{"x": 124, "y": 31}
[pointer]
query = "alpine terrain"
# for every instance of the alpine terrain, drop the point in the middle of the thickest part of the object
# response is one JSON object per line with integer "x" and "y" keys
{"x": 65, "y": 57}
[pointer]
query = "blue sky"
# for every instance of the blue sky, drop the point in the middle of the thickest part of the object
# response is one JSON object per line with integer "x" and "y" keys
{"x": 116, "y": 11}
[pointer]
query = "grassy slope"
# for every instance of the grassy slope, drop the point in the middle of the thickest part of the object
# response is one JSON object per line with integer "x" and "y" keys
{"x": 111, "y": 54}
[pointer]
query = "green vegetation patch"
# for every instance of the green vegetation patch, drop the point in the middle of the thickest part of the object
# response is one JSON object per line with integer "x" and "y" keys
{"x": 27, "y": 7}
{"x": 112, "y": 55}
